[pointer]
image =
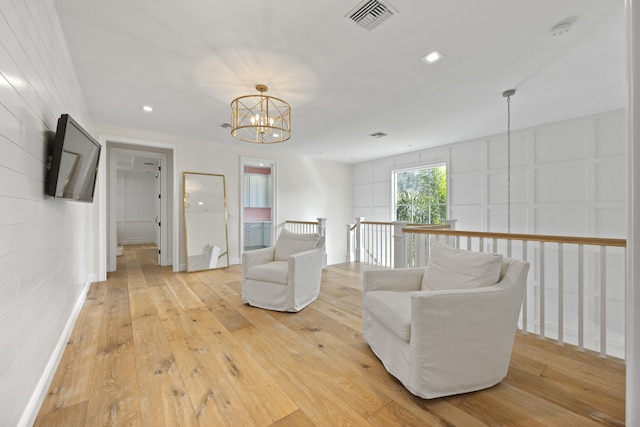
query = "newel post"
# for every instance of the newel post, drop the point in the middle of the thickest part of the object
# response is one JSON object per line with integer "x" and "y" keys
{"x": 452, "y": 226}
{"x": 322, "y": 226}
{"x": 359, "y": 238}
{"x": 349, "y": 226}
{"x": 322, "y": 230}
{"x": 399, "y": 244}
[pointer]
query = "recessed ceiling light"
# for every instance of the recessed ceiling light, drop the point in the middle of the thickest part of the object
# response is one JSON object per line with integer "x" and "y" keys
{"x": 433, "y": 57}
{"x": 147, "y": 108}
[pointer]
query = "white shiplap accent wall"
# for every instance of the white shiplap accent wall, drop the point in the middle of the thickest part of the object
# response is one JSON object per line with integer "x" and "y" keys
{"x": 46, "y": 245}
{"x": 567, "y": 178}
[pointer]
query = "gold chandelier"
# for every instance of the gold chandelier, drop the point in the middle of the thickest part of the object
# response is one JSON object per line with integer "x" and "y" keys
{"x": 260, "y": 118}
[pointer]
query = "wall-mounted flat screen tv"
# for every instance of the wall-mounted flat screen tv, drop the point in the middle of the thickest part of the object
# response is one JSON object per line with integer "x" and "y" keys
{"x": 74, "y": 162}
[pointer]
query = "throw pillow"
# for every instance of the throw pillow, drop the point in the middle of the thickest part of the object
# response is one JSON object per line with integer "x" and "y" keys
{"x": 289, "y": 243}
{"x": 451, "y": 268}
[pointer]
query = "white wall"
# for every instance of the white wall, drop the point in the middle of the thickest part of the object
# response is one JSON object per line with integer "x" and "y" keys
{"x": 135, "y": 208}
{"x": 567, "y": 178}
{"x": 47, "y": 249}
{"x": 307, "y": 188}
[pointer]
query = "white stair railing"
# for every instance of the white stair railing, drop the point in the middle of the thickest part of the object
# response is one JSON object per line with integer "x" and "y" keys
{"x": 575, "y": 290}
{"x": 375, "y": 243}
{"x": 304, "y": 227}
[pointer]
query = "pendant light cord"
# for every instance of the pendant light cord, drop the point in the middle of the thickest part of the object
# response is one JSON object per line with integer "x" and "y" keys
{"x": 507, "y": 94}
{"x": 508, "y": 164}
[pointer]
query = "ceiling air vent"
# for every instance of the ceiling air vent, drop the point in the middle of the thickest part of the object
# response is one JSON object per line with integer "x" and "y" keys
{"x": 370, "y": 14}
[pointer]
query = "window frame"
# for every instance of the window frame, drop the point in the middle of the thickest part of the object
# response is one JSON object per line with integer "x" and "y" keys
{"x": 394, "y": 185}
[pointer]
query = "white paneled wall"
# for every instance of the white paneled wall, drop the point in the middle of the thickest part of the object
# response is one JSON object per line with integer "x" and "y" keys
{"x": 135, "y": 204}
{"x": 46, "y": 245}
{"x": 567, "y": 178}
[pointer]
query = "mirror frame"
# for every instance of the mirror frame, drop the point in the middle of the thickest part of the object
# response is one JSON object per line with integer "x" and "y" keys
{"x": 223, "y": 253}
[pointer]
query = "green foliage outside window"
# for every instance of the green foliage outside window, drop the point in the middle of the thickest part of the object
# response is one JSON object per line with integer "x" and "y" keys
{"x": 421, "y": 195}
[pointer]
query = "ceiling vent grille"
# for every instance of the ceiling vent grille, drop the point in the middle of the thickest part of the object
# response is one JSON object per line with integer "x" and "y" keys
{"x": 370, "y": 14}
{"x": 378, "y": 134}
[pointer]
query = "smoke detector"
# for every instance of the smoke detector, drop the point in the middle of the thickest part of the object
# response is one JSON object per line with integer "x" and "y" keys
{"x": 370, "y": 14}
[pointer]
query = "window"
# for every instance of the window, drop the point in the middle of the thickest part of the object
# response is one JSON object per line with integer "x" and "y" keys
{"x": 421, "y": 194}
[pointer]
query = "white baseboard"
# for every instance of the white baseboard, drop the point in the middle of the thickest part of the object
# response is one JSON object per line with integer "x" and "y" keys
{"x": 336, "y": 261}
{"x": 40, "y": 392}
{"x": 143, "y": 241}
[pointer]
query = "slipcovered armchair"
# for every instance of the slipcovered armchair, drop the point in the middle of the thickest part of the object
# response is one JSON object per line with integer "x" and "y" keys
{"x": 449, "y": 328}
{"x": 284, "y": 277}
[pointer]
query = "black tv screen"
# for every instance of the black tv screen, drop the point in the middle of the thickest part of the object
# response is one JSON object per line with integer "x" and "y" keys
{"x": 74, "y": 162}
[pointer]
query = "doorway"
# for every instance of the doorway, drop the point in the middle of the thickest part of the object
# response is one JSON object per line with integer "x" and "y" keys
{"x": 258, "y": 201}
{"x": 137, "y": 183}
{"x": 167, "y": 229}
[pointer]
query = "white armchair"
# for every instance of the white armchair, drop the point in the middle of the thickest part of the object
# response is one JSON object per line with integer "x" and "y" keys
{"x": 449, "y": 328}
{"x": 284, "y": 277}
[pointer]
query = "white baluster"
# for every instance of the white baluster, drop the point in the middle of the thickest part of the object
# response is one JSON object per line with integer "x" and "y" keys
{"x": 560, "y": 294}
{"x": 542, "y": 302}
{"x": 603, "y": 301}
{"x": 581, "y": 297}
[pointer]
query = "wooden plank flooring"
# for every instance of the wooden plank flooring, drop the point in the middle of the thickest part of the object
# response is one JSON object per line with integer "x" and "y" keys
{"x": 156, "y": 348}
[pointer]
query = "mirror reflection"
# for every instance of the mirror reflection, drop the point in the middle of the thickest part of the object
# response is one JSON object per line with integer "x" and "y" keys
{"x": 205, "y": 221}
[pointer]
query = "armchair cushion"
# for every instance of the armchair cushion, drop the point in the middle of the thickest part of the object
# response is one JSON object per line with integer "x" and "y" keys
{"x": 289, "y": 243}
{"x": 452, "y": 268}
{"x": 274, "y": 272}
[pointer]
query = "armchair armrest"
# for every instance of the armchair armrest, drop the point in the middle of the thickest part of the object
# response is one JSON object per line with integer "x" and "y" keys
{"x": 470, "y": 317}
{"x": 401, "y": 279}
{"x": 256, "y": 257}
{"x": 470, "y": 306}
{"x": 467, "y": 334}
{"x": 304, "y": 263}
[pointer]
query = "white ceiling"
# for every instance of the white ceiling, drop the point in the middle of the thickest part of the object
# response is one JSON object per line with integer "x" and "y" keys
{"x": 189, "y": 59}
{"x": 134, "y": 162}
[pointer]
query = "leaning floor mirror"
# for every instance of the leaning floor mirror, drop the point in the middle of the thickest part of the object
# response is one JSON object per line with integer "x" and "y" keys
{"x": 205, "y": 221}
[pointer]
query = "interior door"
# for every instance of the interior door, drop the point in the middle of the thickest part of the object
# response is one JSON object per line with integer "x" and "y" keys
{"x": 158, "y": 213}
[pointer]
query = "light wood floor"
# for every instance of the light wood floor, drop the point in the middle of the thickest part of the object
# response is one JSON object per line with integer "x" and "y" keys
{"x": 157, "y": 348}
